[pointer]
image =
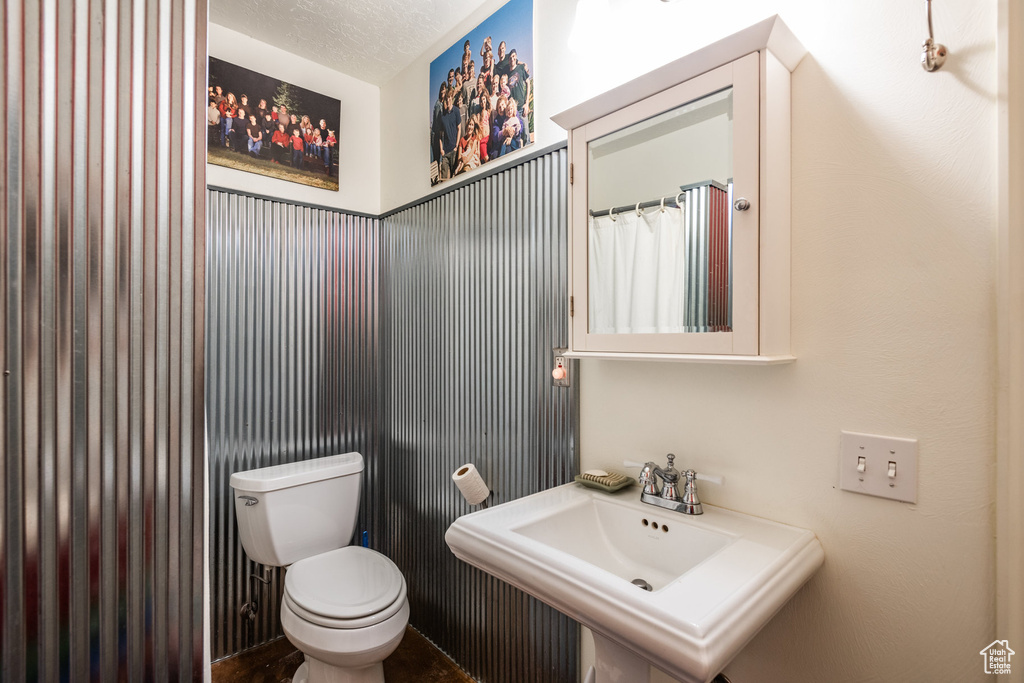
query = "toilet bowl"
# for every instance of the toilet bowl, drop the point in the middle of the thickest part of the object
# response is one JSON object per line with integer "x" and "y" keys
{"x": 344, "y": 607}
{"x": 346, "y": 610}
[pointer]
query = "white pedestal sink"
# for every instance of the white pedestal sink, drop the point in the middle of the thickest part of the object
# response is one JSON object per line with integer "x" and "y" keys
{"x": 614, "y": 663}
{"x": 714, "y": 579}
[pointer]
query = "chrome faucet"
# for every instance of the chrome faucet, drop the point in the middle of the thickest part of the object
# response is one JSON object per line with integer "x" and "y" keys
{"x": 668, "y": 496}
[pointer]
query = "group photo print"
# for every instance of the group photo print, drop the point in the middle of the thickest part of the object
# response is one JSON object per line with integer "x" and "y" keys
{"x": 259, "y": 124}
{"x": 481, "y": 94}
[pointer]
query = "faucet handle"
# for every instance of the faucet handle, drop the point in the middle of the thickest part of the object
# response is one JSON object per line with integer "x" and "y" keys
{"x": 646, "y": 478}
{"x": 690, "y": 500}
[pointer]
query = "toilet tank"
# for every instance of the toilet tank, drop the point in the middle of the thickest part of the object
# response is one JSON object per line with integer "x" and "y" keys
{"x": 288, "y": 512}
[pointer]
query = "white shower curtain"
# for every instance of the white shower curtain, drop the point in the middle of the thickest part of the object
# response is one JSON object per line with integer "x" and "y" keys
{"x": 637, "y": 271}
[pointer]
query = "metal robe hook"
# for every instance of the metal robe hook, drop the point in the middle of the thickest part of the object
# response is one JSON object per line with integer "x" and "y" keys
{"x": 933, "y": 55}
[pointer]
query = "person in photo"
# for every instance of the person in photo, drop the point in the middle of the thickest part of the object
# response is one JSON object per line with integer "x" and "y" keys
{"x": 212, "y": 123}
{"x": 281, "y": 145}
{"x": 297, "y": 145}
{"x": 254, "y": 131}
{"x": 447, "y": 134}
{"x": 228, "y": 109}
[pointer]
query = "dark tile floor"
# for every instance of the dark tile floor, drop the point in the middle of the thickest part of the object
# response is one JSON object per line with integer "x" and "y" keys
{"x": 415, "y": 661}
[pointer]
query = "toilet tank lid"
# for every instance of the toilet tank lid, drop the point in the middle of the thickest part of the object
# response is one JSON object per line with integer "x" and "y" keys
{"x": 296, "y": 473}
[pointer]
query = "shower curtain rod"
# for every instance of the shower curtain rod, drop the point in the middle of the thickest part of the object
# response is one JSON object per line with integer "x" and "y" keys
{"x": 669, "y": 201}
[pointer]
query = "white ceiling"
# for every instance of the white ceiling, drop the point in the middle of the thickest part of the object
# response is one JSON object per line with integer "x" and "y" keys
{"x": 372, "y": 40}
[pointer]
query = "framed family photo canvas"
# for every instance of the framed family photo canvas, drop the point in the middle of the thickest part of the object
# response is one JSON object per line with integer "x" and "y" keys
{"x": 263, "y": 125}
{"x": 481, "y": 94}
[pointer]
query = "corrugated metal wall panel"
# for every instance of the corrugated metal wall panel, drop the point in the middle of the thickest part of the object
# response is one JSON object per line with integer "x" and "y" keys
{"x": 709, "y": 257}
{"x": 476, "y": 299}
{"x": 422, "y": 341}
{"x": 293, "y": 370}
{"x": 102, "y": 351}
{"x": 719, "y": 259}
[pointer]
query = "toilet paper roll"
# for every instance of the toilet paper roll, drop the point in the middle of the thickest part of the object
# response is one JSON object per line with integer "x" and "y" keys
{"x": 473, "y": 488}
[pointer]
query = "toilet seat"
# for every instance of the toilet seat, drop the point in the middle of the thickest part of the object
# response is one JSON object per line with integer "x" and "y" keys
{"x": 350, "y": 649}
{"x": 346, "y": 588}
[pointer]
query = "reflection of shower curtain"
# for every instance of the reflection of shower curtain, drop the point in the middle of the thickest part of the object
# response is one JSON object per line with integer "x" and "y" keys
{"x": 637, "y": 272}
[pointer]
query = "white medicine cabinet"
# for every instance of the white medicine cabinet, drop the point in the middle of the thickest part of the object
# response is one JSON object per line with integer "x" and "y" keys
{"x": 679, "y": 207}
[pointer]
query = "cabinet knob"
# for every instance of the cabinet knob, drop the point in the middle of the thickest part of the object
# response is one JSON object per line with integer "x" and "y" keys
{"x": 741, "y": 204}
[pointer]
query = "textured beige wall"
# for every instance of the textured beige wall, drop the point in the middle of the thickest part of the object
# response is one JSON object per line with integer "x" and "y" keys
{"x": 1010, "y": 428}
{"x": 894, "y": 252}
{"x": 894, "y": 225}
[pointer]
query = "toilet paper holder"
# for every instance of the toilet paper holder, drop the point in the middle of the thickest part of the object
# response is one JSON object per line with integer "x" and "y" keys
{"x": 471, "y": 484}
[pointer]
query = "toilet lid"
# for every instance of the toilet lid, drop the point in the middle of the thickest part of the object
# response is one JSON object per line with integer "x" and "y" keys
{"x": 347, "y": 583}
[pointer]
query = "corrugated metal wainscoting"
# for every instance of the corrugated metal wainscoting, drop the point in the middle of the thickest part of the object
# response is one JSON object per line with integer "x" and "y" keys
{"x": 293, "y": 371}
{"x": 423, "y": 341}
{"x": 475, "y": 296}
{"x": 101, "y": 286}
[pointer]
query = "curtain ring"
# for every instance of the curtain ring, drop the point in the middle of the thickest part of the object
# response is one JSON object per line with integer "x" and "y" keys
{"x": 611, "y": 214}
{"x": 639, "y": 213}
{"x": 679, "y": 204}
{"x": 663, "y": 205}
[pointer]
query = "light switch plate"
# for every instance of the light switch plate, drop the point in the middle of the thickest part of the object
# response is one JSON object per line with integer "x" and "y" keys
{"x": 877, "y": 453}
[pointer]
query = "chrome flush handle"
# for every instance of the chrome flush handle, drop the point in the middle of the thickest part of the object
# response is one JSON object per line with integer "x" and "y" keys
{"x": 249, "y": 500}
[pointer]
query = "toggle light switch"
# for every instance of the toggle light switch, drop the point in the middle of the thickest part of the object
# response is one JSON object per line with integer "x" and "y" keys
{"x": 882, "y": 466}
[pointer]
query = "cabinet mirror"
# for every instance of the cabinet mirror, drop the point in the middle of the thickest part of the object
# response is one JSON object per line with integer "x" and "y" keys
{"x": 679, "y": 207}
{"x": 664, "y": 260}
{"x": 659, "y": 222}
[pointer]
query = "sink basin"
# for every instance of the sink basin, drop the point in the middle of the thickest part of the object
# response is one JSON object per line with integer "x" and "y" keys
{"x": 705, "y": 585}
{"x": 602, "y": 531}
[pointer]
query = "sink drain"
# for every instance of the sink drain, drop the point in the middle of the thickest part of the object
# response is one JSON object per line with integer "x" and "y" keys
{"x": 640, "y": 583}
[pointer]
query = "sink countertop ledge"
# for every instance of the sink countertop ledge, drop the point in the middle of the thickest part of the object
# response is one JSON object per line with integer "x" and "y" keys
{"x": 693, "y": 624}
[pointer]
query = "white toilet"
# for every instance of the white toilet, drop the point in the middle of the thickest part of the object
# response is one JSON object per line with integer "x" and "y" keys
{"x": 345, "y": 607}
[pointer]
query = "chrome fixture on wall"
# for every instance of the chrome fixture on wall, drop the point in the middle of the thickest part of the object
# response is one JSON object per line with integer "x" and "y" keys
{"x": 293, "y": 373}
{"x": 933, "y": 55}
{"x": 669, "y": 496}
{"x": 422, "y": 341}
{"x": 101, "y": 285}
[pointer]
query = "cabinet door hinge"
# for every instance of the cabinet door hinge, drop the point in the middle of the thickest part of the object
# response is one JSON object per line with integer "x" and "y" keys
{"x": 570, "y": 174}
{"x": 572, "y": 307}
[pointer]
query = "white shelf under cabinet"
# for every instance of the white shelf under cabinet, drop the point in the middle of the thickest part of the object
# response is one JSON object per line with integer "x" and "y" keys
{"x": 722, "y": 359}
